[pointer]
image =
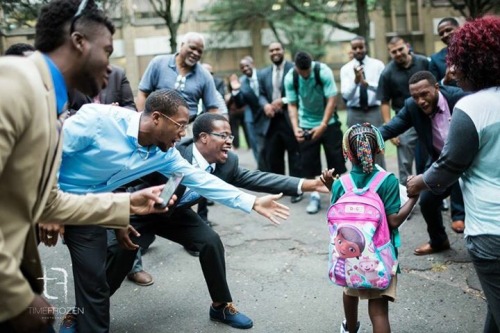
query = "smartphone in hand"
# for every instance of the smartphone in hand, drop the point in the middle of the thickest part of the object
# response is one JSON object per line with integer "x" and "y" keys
{"x": 169, "y": 189}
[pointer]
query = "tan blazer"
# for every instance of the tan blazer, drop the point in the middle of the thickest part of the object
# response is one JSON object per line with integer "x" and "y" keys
{"x": 30, "y": 154}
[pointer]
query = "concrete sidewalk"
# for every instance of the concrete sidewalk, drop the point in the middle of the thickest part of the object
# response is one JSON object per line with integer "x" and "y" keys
{"x": 278, "y": 277}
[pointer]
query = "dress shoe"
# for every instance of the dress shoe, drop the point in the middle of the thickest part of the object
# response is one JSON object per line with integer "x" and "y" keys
{"x": 296, "y": 198}
{"x": 427, "y": 249}
{"x": 141, "y": 278}
{"x": 68, "y": 324}
{"x": 210, "y": 202}
{"x": 458, "y": 226}
{"x": 230, "y": 316}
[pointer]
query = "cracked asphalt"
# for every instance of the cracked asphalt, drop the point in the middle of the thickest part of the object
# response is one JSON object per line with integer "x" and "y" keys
{"x": 278, "y": 277}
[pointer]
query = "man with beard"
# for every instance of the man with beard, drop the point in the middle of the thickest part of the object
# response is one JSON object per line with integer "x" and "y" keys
{"x": 106, "y": 147}
{"x": 429, "y": 111}
{"x": 183, "y": 72}
{"x": 274, "y": 129}
{"x": 393, "y": 88}
{"x": 358, "y": 83}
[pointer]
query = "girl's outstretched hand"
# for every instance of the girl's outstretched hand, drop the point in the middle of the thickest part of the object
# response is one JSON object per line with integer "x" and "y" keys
{"x": 328, "y": 177}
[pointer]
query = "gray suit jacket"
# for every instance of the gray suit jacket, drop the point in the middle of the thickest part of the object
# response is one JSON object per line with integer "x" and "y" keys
{"x": 266, "y": 95}
{"x": 246, "y": 96}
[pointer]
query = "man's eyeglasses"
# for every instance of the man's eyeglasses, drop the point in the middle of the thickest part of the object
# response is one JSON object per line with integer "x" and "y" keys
{"x": 224, "y": 136}
{"x": 180, "y": 127}
{"x": 180, "y": 83}
{"x": 77, "y": 15}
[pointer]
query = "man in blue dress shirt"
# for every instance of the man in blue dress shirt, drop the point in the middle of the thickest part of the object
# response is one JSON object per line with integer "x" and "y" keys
{"x": 106, "y": 147}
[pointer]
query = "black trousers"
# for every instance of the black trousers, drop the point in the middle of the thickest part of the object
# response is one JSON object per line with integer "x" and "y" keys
{"x": 280, "y": 139}
{"x": 87, "y": 247}
{"x": 184, "y": 227}
{"x": 430, "y": 206}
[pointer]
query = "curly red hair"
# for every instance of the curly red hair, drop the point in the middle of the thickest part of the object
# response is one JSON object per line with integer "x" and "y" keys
{"x": 475, "y": 52}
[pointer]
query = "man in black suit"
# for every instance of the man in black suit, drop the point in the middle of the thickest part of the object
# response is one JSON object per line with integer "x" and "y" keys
{"x": 429, "y": 112}
{"x": 274, "y": 127}
{"x": 117, "y": 90}
{"x": 211, "y": 148}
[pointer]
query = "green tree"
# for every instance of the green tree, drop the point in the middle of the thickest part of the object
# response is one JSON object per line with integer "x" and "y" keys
{"x": 475, "y": 8}
{"x": 300, "y": 21}
{"x": 23, "y": 13}
{"x": 165, "y": 10}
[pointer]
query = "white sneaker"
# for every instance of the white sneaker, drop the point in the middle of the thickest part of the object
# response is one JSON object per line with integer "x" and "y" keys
{"x": 314, "y": 205}
{"x": 343, "y": 327}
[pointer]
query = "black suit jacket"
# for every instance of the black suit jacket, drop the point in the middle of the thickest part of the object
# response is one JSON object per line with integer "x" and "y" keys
{"x": 117, "y": 91}
{"x": 230, "y": 172}
{"x": 266, "y": 94}
{"x": 412, "y": 116}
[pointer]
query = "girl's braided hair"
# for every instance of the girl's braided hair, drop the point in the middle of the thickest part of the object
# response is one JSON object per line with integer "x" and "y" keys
{"x": 361, "y": 143}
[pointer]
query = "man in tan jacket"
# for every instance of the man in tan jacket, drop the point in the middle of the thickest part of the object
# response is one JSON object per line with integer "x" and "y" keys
{"x": 75, "y": 44}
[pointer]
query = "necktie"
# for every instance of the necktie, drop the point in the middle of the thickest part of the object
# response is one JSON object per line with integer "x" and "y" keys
{"x": 363, "y": 94}
{"x": 254, "y": 86}
{"x": 277, "y": 84}
{"x": 190, "y": 195}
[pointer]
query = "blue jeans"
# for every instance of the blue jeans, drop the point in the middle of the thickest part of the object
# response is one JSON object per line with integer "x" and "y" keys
{"x": 483, "y": 250}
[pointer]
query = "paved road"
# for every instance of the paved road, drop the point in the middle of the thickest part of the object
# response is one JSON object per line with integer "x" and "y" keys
{"x": 278, "y": 276}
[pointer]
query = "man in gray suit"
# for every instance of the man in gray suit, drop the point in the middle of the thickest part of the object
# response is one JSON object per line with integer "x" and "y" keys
{"x": 211, "y": 147}
{"x": 245, "y": 93}
{"x": 274, "y": 128}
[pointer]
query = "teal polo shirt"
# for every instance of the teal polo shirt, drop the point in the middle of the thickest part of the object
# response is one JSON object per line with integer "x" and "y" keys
{"x": 311, "y": 96}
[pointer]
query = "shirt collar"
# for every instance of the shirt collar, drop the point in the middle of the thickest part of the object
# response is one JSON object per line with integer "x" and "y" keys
{"x": 440, "y": 107}
{"x": 59, "y": 85}
{"x": 200, "y": 160}
{"x": 173, "y": 65}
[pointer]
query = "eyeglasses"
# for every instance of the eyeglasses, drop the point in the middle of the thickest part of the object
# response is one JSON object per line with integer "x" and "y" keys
{"x": 180, "y": 127}
{"x": 77, "y": 15}
{"x": 180, "y": 83}
{"x": 224, "y": 136}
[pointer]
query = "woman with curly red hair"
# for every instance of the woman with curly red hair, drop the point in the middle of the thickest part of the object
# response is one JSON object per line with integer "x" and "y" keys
{"x": 472, "y": 152}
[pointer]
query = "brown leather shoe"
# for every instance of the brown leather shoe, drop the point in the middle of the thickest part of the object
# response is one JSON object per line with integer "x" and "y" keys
{"x": 458, "y": 226}
{"x": 426, "y": 249}
{"x": 141, "y": 278}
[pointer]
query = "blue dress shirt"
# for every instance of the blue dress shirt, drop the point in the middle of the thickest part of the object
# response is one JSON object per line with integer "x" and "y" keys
{"x": 101, "y": 152}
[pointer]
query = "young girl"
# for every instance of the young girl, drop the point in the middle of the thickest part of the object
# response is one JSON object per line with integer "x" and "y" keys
{"x": 360, "y": 145}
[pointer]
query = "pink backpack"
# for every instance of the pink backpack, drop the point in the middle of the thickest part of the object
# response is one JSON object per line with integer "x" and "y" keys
{"x": 361, "y": 254}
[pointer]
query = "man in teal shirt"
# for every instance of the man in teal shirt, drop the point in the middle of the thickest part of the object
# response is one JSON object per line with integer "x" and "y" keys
{"x": 311, "y": 106}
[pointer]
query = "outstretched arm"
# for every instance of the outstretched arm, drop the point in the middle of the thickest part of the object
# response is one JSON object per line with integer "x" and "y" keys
{"x": 269, "y": 208}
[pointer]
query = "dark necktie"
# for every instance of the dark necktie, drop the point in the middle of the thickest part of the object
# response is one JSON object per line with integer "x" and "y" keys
{"x": 363, "y": 94}
{"x": 277, "y": 84}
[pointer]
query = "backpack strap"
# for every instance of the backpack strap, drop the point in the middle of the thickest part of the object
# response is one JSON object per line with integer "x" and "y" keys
{"x": 347, "y": 183}
{"x": 377, "y": 180}
{"x": 317, "y": 77}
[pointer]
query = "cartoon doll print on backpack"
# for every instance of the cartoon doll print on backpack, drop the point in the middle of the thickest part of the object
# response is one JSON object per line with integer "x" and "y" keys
{"x": 361, "y": 254}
